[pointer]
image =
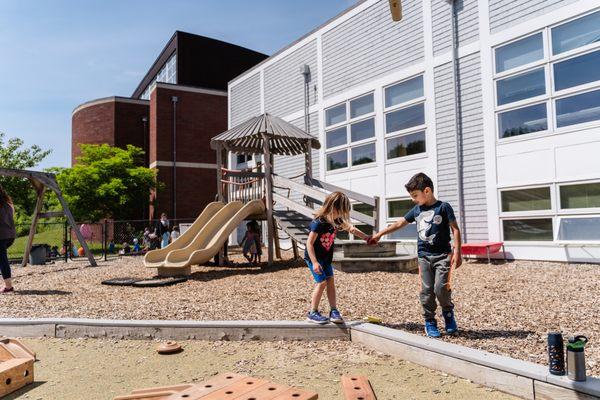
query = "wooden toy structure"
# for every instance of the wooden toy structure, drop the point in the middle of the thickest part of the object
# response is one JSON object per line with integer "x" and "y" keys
{"x": 16, "y": 365}
{"x": 357, "y": 387}
{"x": 221, "y": 387}
{"x": 269, "y": 135}
{"x": 41, "y": 182}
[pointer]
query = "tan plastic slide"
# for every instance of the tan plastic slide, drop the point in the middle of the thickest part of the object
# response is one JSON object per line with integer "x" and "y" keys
{"x": 213, "y": 235}
{"x": 156, "y": 258}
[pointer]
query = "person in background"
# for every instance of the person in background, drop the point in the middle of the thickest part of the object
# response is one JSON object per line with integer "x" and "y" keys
{"x": 136, "y": 245}
{"x": 175, "y": 233}
{"x": 7, "y": 237}
{"x": 162, "y": 230}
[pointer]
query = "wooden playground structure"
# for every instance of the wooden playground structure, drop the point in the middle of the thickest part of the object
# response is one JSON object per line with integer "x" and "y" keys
{"x": 16, "y": 365}
{"x": 269, "y": 135}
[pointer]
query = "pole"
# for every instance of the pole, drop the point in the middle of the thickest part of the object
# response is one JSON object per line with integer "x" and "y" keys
{"x": 269, "y": 196}
{"x": 174, "y": 99}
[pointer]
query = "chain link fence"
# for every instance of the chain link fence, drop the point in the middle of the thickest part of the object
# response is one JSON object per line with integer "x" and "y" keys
{"x": 105, "y": 239}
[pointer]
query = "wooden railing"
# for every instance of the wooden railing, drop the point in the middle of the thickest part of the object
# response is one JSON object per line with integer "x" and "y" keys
{"x": 316, "y": 191}
{"x": 244, "y": 186}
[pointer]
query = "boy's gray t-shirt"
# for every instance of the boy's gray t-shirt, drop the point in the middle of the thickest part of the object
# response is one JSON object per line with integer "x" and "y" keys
{"x": 433, "y": 227}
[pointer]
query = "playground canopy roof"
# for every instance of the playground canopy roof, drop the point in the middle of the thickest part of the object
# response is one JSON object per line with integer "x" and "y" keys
{"x": 247, "y": 137}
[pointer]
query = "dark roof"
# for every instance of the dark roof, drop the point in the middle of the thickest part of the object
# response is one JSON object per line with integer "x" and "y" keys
{"x": 247, "y": 137}
{"x": 202, "y": 62}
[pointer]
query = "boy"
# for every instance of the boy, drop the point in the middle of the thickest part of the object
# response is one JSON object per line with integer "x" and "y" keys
{"x": 435, "y": 219}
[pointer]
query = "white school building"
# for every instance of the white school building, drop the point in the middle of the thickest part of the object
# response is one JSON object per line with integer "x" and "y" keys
{"x": 497, "y": 101}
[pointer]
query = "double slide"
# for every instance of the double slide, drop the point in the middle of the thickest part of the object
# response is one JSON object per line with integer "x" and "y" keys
{"x": 207, "y": 235}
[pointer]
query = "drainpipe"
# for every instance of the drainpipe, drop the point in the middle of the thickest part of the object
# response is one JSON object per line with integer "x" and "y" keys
{"x": 305, "y": 71}
{"x": 174, "y": 195}
{"x": 457, "y": 120}
{"x": 146, "y": 155}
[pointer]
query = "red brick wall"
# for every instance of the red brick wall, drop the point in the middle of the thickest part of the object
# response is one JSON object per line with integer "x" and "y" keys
{"x": 94, "y": 124}
{"x": 129, "y": 127}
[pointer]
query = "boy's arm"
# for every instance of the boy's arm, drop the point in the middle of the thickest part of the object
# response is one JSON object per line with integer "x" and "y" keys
{"x": 312, "y": 236}
{"x": 457, "y": 253}
{"x": 401, "y": 223}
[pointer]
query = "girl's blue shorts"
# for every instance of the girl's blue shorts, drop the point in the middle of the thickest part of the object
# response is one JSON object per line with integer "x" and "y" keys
{"x": 327, "y": 271}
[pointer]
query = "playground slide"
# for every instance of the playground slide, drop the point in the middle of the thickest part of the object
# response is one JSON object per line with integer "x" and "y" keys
{"x": 156, "y": 258}
{"x": 212, "y": 237}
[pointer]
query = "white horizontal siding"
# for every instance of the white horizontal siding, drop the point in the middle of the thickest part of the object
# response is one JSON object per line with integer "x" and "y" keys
{"x": 506, "y": 13}
{"x": 370, "y": 44}
{"x": 245, "y": 100}
{"x": 441, "y": 18}
{"x": 284, "y": 84}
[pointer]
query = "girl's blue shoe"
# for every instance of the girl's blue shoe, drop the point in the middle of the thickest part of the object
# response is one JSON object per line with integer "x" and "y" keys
{"x": 451, "y": 326}
{"x": 316, "y": 318}
{"x": 431, "y": 328}
{"x": 335, "y": 316}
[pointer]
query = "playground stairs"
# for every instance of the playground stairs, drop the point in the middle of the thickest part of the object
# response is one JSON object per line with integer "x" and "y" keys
{"x": 357, "y": 256}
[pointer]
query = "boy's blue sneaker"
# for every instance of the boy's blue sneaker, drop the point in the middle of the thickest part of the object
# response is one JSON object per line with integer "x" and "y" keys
{"x": 431, "y": 328}
{"x": 316, "y": 318}
{"x": 335, "y": 316}
{"x": 451, "y": 326}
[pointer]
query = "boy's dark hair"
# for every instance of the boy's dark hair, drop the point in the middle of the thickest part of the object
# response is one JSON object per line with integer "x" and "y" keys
{"x": 419, "y": 182}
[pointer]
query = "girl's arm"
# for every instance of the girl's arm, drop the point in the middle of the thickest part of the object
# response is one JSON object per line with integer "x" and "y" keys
{"x": 312, "y": 236}
{"x": 401, "y": 223}
{"x": 357, "y": 232}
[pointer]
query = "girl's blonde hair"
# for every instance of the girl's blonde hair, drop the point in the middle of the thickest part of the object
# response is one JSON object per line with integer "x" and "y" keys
{"x": 339, "y": 202}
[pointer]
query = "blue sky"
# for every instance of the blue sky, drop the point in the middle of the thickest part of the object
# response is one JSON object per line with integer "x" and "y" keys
{"x": 56, "y": 54}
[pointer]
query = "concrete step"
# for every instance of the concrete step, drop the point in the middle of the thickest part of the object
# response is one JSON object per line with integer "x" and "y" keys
{"x": 398, "y": 263}
{"x": 360, "y": 249}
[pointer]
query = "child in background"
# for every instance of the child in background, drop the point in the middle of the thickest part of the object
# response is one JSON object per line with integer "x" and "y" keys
{"x": 175, "y": 234}
{"x": 333, "y": 215}
{"x": 251, "y": 244}
{"x": 136, "y": 245}
{"x": 435, "y": 219}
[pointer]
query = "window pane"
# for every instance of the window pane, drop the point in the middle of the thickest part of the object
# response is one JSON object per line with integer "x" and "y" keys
{"x": 342, "y": 235}
{"x": 361, "y": 106}
{"x": 578, "y": 109}
{"x": 586, "y": 195}
{"x": 528, "y": 229}
{"x": 587, "y": 228}
{"x": 526, "y": 199}
{"x": 404, "y": 91}
{"x": 408, "y": 232}
{"x": 362, "y": 130}
{"x": 405, "y": 118}
{"x": 522, "y": 121}
{"x": 363, "y": 154}
{"x": 576, "y": 33}
{"x": 577, "y": 71}
{"x": 335, "y": 115}
{"x": 363, "y": 208}
{"x": 336, "y": 137}
{"x": 336, "y": 160}
{"x": 399, "y": 208}
{"x": 406, "y": 145}
{"x": 519, "y": 53}
{"x": 368, "y": 229}
{"x": 524, "y": 86}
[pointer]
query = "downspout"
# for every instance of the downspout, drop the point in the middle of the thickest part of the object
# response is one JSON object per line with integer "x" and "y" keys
{"x": 146, "y": 155}
{"x": 174, "y": 194}
{"x": 457, "y": 121}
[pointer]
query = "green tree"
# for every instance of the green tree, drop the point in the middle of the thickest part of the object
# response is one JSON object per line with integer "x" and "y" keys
{"x": 14, "y": 155}
{"x": 107, "y": 182}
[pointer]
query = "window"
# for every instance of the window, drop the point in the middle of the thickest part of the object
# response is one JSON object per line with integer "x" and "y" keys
{"x": 168, "y": 74}
{"x": 578, "y": 109}
{"x": 582, "y": 229}
{"x": 535, "y": 229}
{"x": 367, "y": 210}
{"x": 397, "y": 209}
{"x": 526, "y": 199}
{"x": 350, "y": 142}
{"x": 577, "y": 33}
{"x": 405, "y": 118}
{"x": 585, "y": 195}
{"x": 525, "y": 104}
{"x": 519, "y": 53}
{"x": 523, "y": 120}
{"x": 242, "y": 158}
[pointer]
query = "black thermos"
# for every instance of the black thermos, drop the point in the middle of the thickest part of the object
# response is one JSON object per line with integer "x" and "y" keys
{"x": 556, "y": 353}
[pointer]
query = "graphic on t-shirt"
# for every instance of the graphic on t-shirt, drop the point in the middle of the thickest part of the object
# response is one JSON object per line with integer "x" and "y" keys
{"x": 424, "y": 220}
{"x": 327, "y": 240}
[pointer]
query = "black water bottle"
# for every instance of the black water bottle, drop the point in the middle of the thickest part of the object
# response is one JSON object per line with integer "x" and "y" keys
{"x": 556, "y": 353}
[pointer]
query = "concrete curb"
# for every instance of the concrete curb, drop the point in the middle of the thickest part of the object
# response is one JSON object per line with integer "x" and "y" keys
{"x": 520, "y": 378}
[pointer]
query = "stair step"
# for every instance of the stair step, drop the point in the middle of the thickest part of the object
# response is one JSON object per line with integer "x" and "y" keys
{"x": 400, "y": 263}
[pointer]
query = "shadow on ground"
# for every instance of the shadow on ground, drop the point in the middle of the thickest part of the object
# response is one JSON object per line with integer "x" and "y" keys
{"x": 40, "y": 293}
{"x": 467, "y": 333}
{"x": 244, "y": 269}
{"x": 23, "y": 390}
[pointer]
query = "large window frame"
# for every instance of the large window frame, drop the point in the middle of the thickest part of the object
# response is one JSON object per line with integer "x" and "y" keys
{"x": 551, "y": 96}
{"x": 408, "y": 131}
{"x": 350, "y": 145}
{"x": 390, "y": 220}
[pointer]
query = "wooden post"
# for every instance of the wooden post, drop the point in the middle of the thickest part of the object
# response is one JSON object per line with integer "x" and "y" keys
{"x": 308, "y": 159}
{"x": 276, "y": 239}
{"x": 295, "y": 249}
{"x": 269, "y": 195}
{"x": 219, "y": 172}
{"x": 40, "y": 189}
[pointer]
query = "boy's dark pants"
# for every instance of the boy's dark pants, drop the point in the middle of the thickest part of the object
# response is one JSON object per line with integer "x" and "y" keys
{"x": 435, "y": 282}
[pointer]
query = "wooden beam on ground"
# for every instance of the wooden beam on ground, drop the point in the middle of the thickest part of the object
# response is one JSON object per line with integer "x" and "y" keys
{"x": 357, "y": 387}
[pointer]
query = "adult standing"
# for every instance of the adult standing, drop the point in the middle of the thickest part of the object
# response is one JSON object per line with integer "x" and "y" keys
{"x": 7, "y": 237}
{"x": 162, "y": 230}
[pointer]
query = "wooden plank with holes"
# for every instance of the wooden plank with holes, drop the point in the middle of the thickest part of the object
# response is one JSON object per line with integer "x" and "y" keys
{"x": 357, "y": 387}
{"x": 235, "y": 389}
{"x": 267, "y": 391}
{"x": 14, "y": 374}
{"x": 297, "y": 394}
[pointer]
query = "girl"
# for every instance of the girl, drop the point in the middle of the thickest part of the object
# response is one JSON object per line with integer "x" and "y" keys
{"x": 251, "y": 243}
{"x": 7, "y": 237}
{"x": 332, "y": 216}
